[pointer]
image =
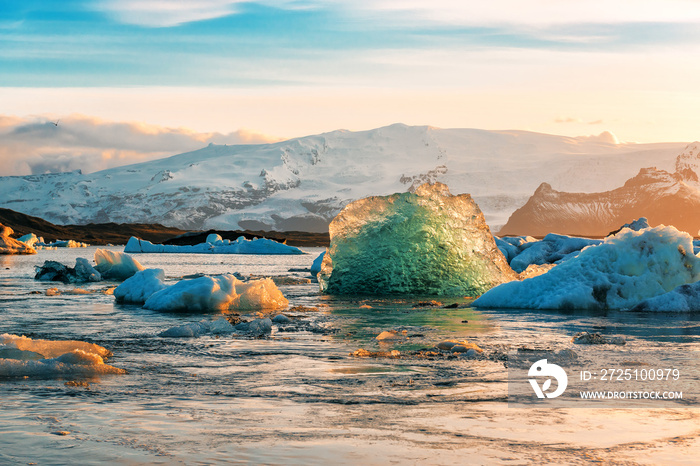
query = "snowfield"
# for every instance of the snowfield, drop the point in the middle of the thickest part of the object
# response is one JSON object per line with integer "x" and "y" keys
{"x": 301, "y": 184}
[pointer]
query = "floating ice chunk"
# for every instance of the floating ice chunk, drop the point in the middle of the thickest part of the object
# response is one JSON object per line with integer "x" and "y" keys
{"x": 617, "y": 274}
{"x": 10, "y": 245}
{"x": 281, "y": 319}
{"x": 85, "y": 271}
{"x": 139, "y": 287}
{"x": 640, "y": 224}
{"x": 257, "y": 327}
{"x": 116, "y": 265}
{"x": 30, "y": 239}
{"x": 51, "y": 348}
{"x": 23, "y": 357}
{"x": 552, "y": 249}
{"x": 68, "y": 243}
{"x": 214, "y": 239}
{"x": 316, "y": 264}
{"x": 258, "y": 295}
{"x": 685, "y": 298}
{"x": 509, "y": 250}
{"x": 10, "y": 352}
{"x": 218, "y": 293}
{"x": 191, "y": 330}
{"x": 428, "y": 242}
{"x": 55, "y": 271}
{"x": 240, "y": 246}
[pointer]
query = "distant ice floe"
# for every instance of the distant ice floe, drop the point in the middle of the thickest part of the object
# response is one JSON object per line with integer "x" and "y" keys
{"x": 218, "y": 293}
{"x": 38, "y": 242}
{"x": 214, "y": 245}
{"x": 10, "y": 245}
{"x": 617, "y": 274}
{"x": 24, "y": 357}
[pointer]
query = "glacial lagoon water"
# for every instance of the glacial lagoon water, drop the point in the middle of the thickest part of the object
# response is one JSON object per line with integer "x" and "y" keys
{"x": 299, "y": 396}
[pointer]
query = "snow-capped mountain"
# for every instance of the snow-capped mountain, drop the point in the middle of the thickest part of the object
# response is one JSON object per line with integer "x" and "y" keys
{"x": 663, "y": 197}
{"x": 301, "y": 184}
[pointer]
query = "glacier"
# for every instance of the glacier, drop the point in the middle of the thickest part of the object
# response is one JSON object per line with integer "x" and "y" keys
{"x": 424, "y": 243}
{"x": 617, "y": 274}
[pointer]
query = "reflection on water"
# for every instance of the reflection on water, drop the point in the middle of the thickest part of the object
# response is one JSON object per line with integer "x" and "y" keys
{"x": 298, "y": 396}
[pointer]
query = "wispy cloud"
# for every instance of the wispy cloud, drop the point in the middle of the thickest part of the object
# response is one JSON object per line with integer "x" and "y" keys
{"x": 41, "y": 144}
{"x": 567, "y": 120}
{"x": 168, "y": 13}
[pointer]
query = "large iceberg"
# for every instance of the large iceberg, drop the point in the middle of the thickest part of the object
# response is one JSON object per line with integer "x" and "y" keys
{"x": 139, "y": 287}
{"x": 116, "y": 265}
{"x": 216, "y": 246}
{"x": 617, "y": 274}
{"x": 24, "y": 357}
{"x": 10, "y": 245}
{"x": 424, "y": 243}
{"x": 218, "y": 293}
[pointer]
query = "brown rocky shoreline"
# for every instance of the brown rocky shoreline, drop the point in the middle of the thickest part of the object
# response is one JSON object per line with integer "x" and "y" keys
{"x": 119, "y": 233}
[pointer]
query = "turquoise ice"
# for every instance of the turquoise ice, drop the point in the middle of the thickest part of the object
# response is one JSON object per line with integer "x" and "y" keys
{"x": 428, "y": 242}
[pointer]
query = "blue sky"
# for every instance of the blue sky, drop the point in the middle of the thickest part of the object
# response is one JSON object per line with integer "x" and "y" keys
{"x": 289, "y": 68}
{"x": 165, "y": 43}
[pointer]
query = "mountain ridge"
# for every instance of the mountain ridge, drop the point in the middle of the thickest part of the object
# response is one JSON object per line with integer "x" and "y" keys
{"x": 302, "y": 183}
{"x": 663, "y": 197}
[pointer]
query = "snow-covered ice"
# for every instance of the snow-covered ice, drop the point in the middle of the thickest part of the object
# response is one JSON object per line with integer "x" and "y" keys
{"x": 218, "y": 293}
{"x": 218, "y": 246}
{"x": 116, "y": 265}
{"x": 139, "y": 287}
{"x": 428, "y": 242}
{"x": 616, "y": 274}
{"x": 24, "y": 357}
{"x": 551, "y": 249}
{"x": 685, "y": 298}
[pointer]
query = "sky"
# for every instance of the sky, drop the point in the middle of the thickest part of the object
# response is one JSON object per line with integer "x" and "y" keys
{"x": 94, "y": 84}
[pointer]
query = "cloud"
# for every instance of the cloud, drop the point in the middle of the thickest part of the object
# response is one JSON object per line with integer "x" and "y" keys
{"x": 38, "y": 145}
{"x": 536, "y": 12}
{"x": 168, "y": 13}
{"x": 606, "y": 137}
{"x": 567, "y": 120}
